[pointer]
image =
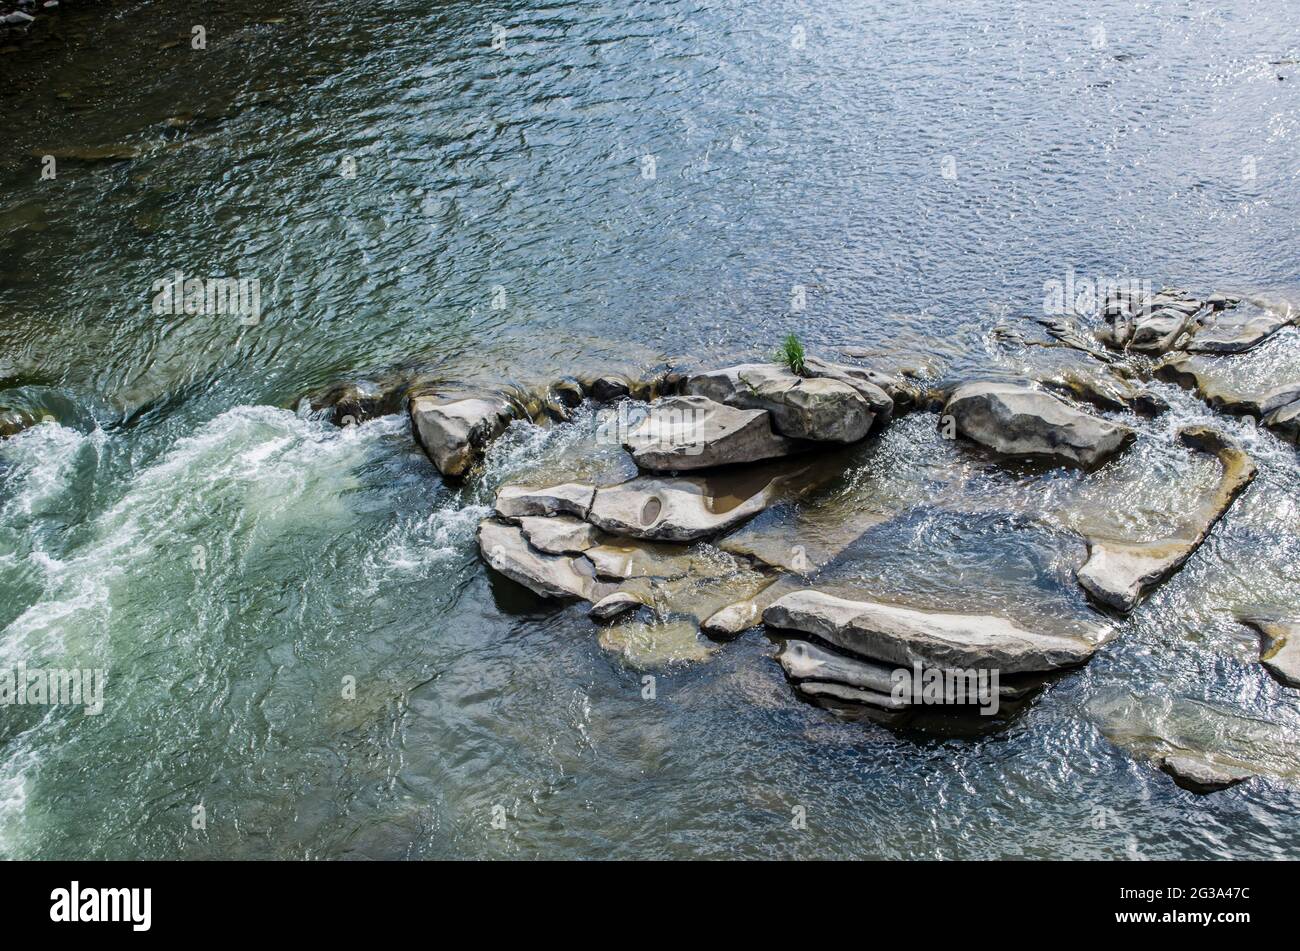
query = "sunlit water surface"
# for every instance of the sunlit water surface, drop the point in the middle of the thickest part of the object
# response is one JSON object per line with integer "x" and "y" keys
{"x": 920, "y": 169}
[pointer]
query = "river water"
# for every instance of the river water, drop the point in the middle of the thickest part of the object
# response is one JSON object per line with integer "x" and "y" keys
{"x": 513, "y": 191}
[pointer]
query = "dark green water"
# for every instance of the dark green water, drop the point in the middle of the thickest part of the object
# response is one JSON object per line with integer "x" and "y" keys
{"x": 501, "y": 226}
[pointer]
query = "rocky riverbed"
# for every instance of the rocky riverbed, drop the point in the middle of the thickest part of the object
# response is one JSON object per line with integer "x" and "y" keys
{"x": 706, "y": 501}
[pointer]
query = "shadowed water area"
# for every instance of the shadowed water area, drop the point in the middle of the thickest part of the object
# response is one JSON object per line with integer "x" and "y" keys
{"x": 920, "y": 170}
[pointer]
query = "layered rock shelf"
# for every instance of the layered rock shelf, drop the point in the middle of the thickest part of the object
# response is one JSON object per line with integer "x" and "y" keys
{"x": 701, "y": 540}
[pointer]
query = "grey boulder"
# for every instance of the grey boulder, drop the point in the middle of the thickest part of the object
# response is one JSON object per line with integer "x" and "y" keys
{"x": 559, "y": 534}
{"x": 1015, "y": 420}
{"x": 1240, "y": 328}
{"x": 550, "y": 576}
{"x": 901, "y": 636}
{"x": 679, "y": 433}
{"x": 679, "y": 509}
{"x": 817, "y": 408}
{"x": 454, "y": 432}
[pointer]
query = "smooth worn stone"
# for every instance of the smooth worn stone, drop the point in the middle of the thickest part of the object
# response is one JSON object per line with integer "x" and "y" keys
{"x": 1280, "y": 653}
{"x": 571, "y": 498}
{"x": 901, "y": 636}
{"x": 820, "y": 409}
{"x": 803, "y": 660}
{"x": 1018, "y": 421}
{"x": 1239, "y": 329}
{"x": 876, "y": 388}
{"x": 612, "y": 605}
{"x": 835, "y": 691}
{"x": 748, "y": 612}
{"x": 550, "y": 576}
{"x": 680, "y": 509}
{"x": 1202, "y": 773}
{"x": 679, "y": 433}
{"x": 1159, "y": 331}
{"x": 454, "y": 432}
{"x": 560, "y": 534}
{"x": 1120, "y": 573}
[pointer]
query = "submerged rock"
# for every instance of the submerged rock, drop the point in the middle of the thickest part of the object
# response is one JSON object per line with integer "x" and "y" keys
{"x": 1280, "y": 652}
{"x": 679, "y": 433}
{"x": 656, "y": 643}
{"x": 1120, "y": 573}
{"x": 817, "y": 408}
{"x": 454, "y": 432}
{"x": 901, "y": 636}
{"x": 1201, "y": 772}
{"x": 1018, "y": 421}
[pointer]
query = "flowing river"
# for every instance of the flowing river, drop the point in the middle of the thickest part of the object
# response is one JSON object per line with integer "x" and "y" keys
{"x": 514, "y": 191}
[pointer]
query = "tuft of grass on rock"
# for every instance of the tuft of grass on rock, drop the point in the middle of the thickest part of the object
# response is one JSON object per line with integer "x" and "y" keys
{"x": 791, "y": 355}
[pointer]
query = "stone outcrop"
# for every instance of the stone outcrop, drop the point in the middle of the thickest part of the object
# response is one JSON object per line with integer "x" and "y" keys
{"x": 1119, "y": 573}
{"x": 1280, "y": 650}
{"x": 680, "y": 433}
{"x": 1025, "y": 423}
{"x": 901, "y": 636}
{"x": 816, "y": 408}
{"x": 455, "y": 431}
{"x": 1201, "y": 772}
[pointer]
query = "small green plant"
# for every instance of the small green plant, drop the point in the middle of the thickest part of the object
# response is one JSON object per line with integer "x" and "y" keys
{"x": 791, "y": 354}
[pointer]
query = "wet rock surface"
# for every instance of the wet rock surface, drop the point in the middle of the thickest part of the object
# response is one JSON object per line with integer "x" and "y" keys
{"x": 454, "y": 432}
{"x": 694, "y": 432}
{"x": 901, "y": 636}
{"x": 821, "y": 409}
{"x": 1280, "y": 650}
{"x": 1025, "y": 423}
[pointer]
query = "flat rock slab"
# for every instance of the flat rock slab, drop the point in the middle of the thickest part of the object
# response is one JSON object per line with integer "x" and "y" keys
{"x": 1240, "y": 328}
{"x": 1119, "y": 573}
{"x": 821, "y": 689}
{"x": 1281, "y": 648}
{"x": 560, "y": 534}
{"x": 1285, "y": 422}
{"x": 454, "y": 432}
{"x": 682, "y": 509}
{"x": 571, "y": 498}
{"x": 1025, "y": 423}
{"x": 817, "y": 408}
{"x": 1201, "y": 772}
{"x": 896, "y": 635}
{"x": 680, "y": 433}
{"x": 625, "y": 558}
{"x": 550, "y": 576}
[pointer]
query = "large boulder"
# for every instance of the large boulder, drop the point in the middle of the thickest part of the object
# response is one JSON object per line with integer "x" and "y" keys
{"x": 1280, "y": 653}
{"x": 455, "y": 431}
{"x": 679, "y": 509}
{"x": 1018, "y": 421}
{"x": 1119, "y": 573}
{"x": 694, "y": 432}
{"x": 817, "y": 408}
{"x": 902, "y": 636}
